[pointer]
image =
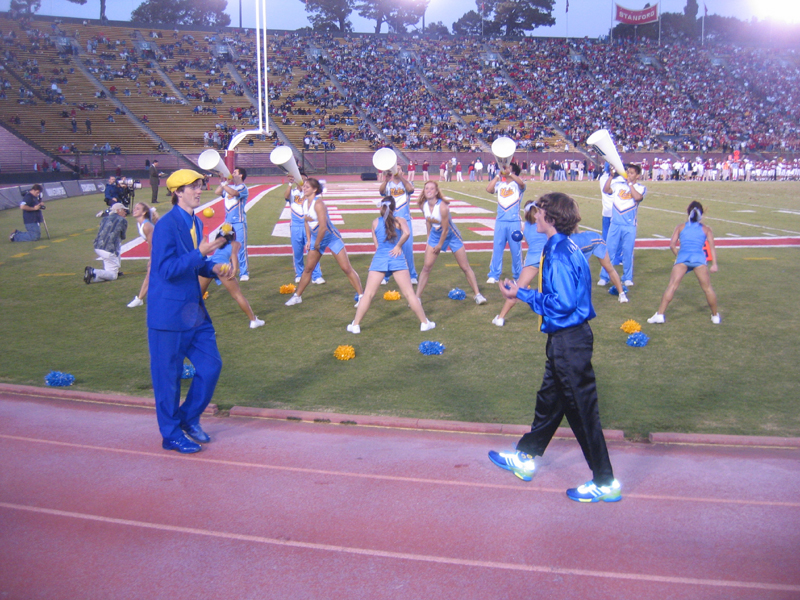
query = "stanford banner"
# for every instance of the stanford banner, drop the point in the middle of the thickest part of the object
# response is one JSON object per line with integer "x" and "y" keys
{"x": 637, "y": 17}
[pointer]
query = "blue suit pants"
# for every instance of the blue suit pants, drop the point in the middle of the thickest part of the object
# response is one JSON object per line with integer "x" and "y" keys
{"x": 167, "y": 351}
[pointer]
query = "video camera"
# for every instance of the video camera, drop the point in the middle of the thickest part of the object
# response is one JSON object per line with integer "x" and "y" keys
{"x": 127, "y": 190}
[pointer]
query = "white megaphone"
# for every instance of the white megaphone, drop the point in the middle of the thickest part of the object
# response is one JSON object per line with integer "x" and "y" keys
{"x": 600, "y": 141}
{"x": 385, "y": 159}
{"x": 283, "y": 157}
{"x": 210, "y": 160}
{"x": 503, "y": 149}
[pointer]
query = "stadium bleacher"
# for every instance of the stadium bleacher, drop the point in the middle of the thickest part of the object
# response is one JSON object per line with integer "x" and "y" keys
{"x": 151, "y": 91}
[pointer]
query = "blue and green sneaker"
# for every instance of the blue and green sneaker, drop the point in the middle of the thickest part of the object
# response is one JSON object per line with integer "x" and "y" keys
{"x": 589, "y": 492}
{"x": 519, "y": 463}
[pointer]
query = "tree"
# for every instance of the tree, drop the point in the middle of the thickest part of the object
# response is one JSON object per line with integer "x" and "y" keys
{"x": 397, "y": 14}
{"x": 32, "y": 6}
{"x": 690, "y": 10}
{"x": 330, "y": 15}
{"x": 515, "y": 17}
{"x": 408, "y": 12}
{"x": 437, "y": 29}
{"x": 25, "y": 6}
{"x": 690, "y": 14}
{"x": 468, "y": 24}
{"x": 202, "y": 13}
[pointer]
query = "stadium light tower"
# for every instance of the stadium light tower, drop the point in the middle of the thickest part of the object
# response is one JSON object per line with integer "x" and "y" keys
{"x": 261, "y": 70}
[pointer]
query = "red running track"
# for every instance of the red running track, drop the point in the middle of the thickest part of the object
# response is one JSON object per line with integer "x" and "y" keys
{"x": 91, "y": 507}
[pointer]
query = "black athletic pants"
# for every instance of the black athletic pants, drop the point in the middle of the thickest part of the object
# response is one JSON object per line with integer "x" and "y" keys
{"x": 569, "y": 388}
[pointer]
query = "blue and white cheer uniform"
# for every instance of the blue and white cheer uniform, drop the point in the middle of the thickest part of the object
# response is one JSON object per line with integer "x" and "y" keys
{"x": 509, "y": 197}
{"x": 297, "y": 230}
{"x": 236, "y": 216}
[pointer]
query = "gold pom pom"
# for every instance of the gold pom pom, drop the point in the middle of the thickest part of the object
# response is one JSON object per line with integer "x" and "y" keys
{"x": 630, "y": 326}
{"x": 287, "y": 289}
{"x": 226, "y": 228}
{"x": 392, "y": 295}
{"x": 344, "y": 352}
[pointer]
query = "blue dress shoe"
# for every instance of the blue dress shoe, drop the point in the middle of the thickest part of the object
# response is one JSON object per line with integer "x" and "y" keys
{"x": 182, "y": 444}
{"x": 196, "y": 433}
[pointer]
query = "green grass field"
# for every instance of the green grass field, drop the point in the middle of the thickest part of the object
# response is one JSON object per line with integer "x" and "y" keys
{"x": 736, "y": 378}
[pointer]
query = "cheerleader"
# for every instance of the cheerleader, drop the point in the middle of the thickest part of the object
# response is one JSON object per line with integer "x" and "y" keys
{"x": 530, "y": 269}
{"x": 509, "y": 188}
{"x": 592, "y": 244}
{"x": 691, "y": 256}
{"x": 294, "y": 202}
{"x": 389, "y": 233}
{"x": 442, "y": 234}
{"x": 228, "y": 255}
{"x": 400, "y": 188}
{"x": 321, "y": 235}
{"x": 146, "y": 218}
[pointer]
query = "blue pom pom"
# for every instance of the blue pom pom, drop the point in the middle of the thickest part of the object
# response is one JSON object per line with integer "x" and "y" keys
{"x": 188, "y": 371}
{"x": 637, "y": 340}
{"x": 516, "y": 235}
{"x": 58, "y": 379}
{"x": 613, "y": 290}
{"x": 429, "y": 348}
{"x": 457, "y": 294}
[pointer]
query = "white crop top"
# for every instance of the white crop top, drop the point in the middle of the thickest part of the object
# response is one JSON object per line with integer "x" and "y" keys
{"x": 311, "y": 213}
{"x": 434, "y": 216}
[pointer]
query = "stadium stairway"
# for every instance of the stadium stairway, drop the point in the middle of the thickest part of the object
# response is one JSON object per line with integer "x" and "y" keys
{"x": 362, "y": 115}
{"x": 463, "y": 125}
{"x": 554, "y": 141}
{"x": 129, "y": 114}
{"x": 236, "y": 76}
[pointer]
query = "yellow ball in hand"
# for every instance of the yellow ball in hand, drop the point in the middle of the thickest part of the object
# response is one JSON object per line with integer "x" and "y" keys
{"x": 208, "y": 212}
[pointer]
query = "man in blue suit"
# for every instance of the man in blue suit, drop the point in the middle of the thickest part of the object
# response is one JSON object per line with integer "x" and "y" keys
{"x": 178, "y": 324}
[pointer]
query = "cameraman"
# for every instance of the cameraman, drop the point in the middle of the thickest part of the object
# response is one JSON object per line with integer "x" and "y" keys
{"x": 111, "y": 191}
{"x": 32, "y": 207}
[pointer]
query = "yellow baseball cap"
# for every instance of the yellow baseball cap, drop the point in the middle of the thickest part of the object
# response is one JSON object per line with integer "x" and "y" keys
{"x": 182, "y": 177}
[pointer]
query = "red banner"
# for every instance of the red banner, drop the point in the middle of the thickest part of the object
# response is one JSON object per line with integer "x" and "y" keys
{"x": 637, "y": 17}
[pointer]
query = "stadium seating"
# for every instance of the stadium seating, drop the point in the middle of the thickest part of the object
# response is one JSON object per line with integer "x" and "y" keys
{"x": 417, "y": 94}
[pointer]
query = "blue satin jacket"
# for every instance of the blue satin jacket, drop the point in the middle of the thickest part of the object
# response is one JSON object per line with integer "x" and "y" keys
{"x": 173, "y": 301}
{"x": 566, "y": 296}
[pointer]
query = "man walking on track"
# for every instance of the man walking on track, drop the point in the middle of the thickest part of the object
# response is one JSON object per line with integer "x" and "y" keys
{"x": 564, "y": 301}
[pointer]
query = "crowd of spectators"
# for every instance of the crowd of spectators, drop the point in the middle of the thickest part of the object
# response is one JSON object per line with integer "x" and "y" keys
{"x": 443, "y": 95}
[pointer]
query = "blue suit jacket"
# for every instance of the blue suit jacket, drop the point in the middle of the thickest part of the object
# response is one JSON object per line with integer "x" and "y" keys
{"x": 174, "y": 302}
